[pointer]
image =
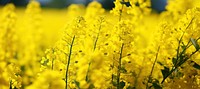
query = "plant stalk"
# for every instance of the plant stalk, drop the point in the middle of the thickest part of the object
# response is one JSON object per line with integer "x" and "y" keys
{"x": 69, "y": 58}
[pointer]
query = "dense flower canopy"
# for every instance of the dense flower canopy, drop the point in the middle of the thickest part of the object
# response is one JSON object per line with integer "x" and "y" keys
{"x": 128, "y": 47}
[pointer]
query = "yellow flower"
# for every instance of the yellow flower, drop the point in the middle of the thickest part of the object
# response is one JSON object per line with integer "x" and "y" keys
{"x": 48, "y": 80}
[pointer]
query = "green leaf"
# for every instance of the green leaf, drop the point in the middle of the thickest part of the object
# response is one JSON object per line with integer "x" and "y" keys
{"x": 87, "y": 79}
{"x": 156, "y": 86}
{"x": 123, "y": 70}
{"x": 122, "y": 84}
{"x": 160, "y": 63}
{"x": 123, "y": 2}
{"x": 23, "y": 68}
{"x": 114, "y": 77}
{"x": 195, "y": 65}
{"x": 194, "y": 42}
{"x": 183, "y": 46}
{"x": 114, "y": 83}
{"x": 10, "y": 84}
{"x": 91, "y": 86}
{"x": 114, "y": 80}
{"x": 165, "y": 72}
{"x": 174, "y": 61}
{"x": 77, "y": 84}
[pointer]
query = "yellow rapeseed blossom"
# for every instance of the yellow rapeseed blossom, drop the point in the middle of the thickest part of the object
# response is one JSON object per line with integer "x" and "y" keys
{"x": 128, "y": 47}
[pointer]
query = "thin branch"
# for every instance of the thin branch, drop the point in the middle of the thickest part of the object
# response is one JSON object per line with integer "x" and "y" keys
{"x": 154, "y": 63}
{"x": 69, "y": 58}
{"x": 119, "y": 67}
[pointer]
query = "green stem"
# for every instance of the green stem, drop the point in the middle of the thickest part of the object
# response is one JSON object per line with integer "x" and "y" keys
{"x": 119, "y": 67}
{"x": 87, "y": 77}
{"x": 187, "y": 46}
{"x": 120, "y": 11}
{"x": 180, "y": 40}
{"x": 95, "y": 44}
{"x": 173, "y": 69}
{"x": 137, "y": 77}
{"x": 10, "y": 84}
{"x": 179, "y": 43}
{"x": 176, "y": 67}
{"x": 154, "y": 63}
{"x": 120, "y": 58}
{"x": 97, "y": 38}
{"x": 179, "y": 64}
{"x": 52, "y": 65}
{"x": 69, "y": 58}
{"x": 187, "y": 58}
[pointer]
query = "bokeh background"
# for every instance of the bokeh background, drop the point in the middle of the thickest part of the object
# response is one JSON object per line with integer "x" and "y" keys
{"x": 157, "y": 5}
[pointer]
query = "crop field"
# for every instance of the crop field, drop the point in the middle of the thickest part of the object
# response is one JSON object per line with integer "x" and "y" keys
{"x": 88, "y": 47}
